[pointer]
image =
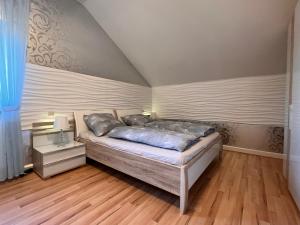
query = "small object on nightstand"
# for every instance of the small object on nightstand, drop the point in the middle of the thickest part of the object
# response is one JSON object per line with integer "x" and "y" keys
{"x": 61, "y": 123}
{"x": 49, "y": 160}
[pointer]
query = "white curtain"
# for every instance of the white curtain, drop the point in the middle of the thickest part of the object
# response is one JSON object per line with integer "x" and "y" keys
{"x": 14, "y": 15}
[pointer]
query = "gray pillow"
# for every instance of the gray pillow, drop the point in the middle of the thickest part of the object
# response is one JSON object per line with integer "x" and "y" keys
{"x": 136, "y": 120}
{"x": 101, "y": 123}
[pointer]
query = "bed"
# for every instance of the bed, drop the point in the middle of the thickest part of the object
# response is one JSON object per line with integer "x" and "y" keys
{"x": 172, "y": 171}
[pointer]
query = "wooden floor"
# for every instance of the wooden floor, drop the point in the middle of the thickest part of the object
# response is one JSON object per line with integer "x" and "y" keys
{"x": 242, "y": 189}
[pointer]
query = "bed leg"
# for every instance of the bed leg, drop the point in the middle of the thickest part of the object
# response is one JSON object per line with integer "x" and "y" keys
{"x": 220, "y": 155}
{"x": 184, "y": 190}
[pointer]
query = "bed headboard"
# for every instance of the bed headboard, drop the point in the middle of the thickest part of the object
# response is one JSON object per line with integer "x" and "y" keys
{"x": 80, "y": 125}
{"x": 124, "y": 112}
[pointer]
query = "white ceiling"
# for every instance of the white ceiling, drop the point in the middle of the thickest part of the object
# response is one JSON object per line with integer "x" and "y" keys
{"x": 176, "y": 41}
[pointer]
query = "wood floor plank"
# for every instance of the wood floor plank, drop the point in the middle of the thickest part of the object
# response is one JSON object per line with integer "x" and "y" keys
{"x": 239, "y": 190}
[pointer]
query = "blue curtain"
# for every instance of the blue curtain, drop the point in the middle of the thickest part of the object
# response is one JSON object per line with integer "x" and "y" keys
{"x": 14, "y": 15}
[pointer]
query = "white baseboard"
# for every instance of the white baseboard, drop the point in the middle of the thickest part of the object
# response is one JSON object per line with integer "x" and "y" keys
{"x": 253, "y": 152}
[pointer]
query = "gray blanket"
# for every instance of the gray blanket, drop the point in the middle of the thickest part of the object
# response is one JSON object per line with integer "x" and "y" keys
{"x": 155, "y": 137}
{"x": 195, "y": 128}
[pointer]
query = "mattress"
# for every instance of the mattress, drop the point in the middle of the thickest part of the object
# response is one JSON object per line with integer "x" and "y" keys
{"x": 155, "y": 153}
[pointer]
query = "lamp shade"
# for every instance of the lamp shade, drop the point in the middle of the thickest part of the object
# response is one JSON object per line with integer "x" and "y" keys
{"x": 61, "y": 123}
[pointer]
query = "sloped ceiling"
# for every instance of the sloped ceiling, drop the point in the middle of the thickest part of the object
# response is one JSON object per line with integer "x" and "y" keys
{"x": 176, "y": 41}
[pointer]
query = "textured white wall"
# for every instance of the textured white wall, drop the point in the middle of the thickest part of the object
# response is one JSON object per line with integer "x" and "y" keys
{"x": 251, "y": 100}
{"x": 51, "y": 90}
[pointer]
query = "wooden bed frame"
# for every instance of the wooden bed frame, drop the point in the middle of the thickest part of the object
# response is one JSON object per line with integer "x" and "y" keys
{"x": 175, "y": 179}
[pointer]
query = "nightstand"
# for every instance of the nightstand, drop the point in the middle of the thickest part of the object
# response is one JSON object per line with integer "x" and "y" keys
{"x": 49, "y": 160}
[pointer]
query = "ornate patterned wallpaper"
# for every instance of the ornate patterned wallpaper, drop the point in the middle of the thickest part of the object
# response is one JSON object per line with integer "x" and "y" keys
{"x": 257, "y": 137}
{"x": 63, "y": 35}
{"x": 46, "y": 42}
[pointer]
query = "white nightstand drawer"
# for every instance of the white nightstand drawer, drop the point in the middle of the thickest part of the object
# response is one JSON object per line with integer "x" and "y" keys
{"x": 64, "y": 165}
{"x": 49, "y": 160}
{"x": 63, "y": 154}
